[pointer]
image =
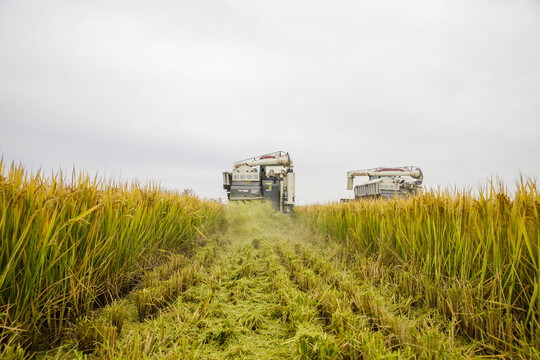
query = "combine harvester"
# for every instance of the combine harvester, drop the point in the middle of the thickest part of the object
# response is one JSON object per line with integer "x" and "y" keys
{"x": 386, "y": 182}
{"x": 268, "y": 176}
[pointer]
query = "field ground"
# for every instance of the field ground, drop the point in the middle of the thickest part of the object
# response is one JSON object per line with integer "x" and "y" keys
{"x": 265, "y": 287}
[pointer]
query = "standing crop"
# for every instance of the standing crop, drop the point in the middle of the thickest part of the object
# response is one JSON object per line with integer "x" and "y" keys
{"x": 476, "y": 259}
{"x": 69, "y": 245}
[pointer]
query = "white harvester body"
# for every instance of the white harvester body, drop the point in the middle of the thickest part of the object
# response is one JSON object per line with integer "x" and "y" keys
{"x": 269, "y": 176}
{"x": 386, "y": 182}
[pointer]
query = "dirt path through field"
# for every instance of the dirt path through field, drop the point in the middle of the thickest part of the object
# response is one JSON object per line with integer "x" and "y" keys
{"x": 266, "y": 288}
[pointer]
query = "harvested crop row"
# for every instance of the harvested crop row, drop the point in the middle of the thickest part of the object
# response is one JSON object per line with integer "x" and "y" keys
{"x": 165, "y": 284}
{"x": 109, "y": 331}
{"x": 231, "y": 312}
{"x": 321, "y": 331}
{"x": 337, "y": 293}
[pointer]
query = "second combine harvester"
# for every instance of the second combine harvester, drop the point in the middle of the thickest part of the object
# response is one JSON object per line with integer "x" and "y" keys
{"x": 386, "y": 182}
{"x": 268, "y": 176}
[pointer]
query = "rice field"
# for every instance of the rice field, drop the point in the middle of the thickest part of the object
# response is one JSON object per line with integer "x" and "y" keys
{"x": 70, "y": 244}
{"x": 130, "y": 272}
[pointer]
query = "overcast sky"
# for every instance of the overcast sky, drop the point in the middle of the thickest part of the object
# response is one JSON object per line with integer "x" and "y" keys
{"x": 176, "y": 91}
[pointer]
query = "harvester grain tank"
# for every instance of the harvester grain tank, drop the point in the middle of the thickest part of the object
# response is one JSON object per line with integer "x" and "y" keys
{"x": 386, "y": 182}
{"x": 269, "y": 176}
